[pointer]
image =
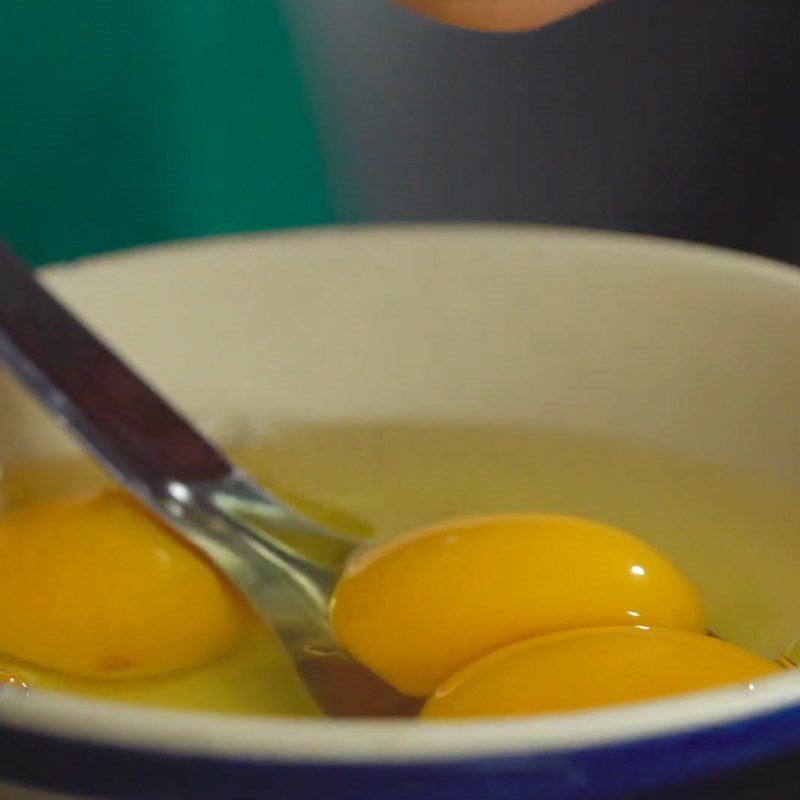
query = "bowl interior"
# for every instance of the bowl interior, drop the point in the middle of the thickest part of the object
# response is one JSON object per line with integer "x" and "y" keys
{"x": 656, "y": 344}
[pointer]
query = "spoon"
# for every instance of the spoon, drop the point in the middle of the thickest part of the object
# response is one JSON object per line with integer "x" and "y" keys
{"x": 283, "y": 563}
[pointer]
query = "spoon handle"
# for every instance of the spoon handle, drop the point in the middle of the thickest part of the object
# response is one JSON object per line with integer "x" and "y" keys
{"x": 89, "y": 389}
{"x": 138, "y": 437}
{"x": 145, "y": 444}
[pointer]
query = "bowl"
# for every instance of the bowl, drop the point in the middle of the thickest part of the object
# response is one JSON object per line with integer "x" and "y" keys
{"x": 652, "y": 341}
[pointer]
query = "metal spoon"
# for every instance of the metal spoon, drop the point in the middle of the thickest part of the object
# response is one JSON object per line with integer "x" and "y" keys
{"x": 260, "y": 544}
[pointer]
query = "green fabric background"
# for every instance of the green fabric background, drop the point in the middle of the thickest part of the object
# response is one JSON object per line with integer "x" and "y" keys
{"x": 131, "y": 121}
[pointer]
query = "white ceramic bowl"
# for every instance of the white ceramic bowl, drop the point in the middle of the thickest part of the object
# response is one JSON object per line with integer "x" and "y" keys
{"x": 650, "y": 341}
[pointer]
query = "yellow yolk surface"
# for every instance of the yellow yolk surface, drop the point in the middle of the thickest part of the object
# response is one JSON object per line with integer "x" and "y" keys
{"x": 585, "y": 668}
{"x": 99, "y": 588}
{"x": 420, "y": 607}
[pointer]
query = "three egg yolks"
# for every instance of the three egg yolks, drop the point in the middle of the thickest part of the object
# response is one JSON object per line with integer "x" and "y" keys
{"x": 508, "y": 614}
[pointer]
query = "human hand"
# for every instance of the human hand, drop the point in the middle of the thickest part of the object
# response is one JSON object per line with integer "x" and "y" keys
{"x": 497, "y": 15}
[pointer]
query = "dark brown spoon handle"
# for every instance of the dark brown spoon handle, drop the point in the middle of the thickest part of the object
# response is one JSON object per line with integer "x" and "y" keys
{"x": 90, "y": 390}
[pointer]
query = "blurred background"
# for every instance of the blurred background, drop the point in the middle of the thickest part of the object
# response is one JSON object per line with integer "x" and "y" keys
{"x": 130, "y": 123}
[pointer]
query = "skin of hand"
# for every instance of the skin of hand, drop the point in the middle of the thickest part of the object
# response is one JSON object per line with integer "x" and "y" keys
{"x": 497, "y": 15}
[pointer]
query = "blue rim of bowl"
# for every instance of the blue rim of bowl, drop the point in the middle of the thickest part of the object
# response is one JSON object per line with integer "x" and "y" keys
{"x": 120, "y": 752}
{"x": 91, "y": 768}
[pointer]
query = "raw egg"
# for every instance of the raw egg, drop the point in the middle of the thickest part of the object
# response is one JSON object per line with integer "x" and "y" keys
{"x": 98, "y": 587}
{"x": 418, "y": 608}
{"x": 595, "y": 667}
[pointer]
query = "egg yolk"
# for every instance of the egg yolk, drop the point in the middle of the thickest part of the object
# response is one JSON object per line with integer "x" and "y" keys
{"x": 99, "y": 588}
{"x": 595, "y": 667}
{"x": 420, "y": 607}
